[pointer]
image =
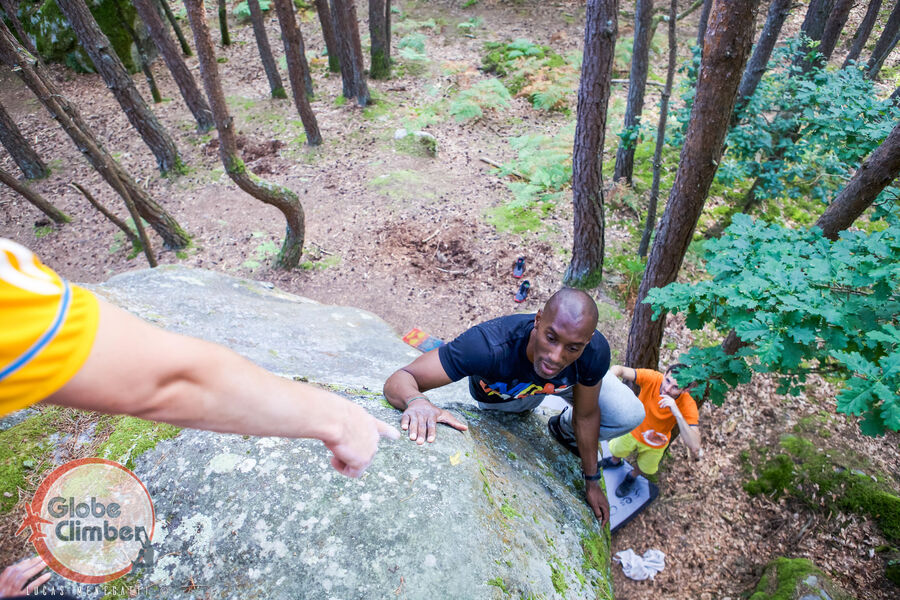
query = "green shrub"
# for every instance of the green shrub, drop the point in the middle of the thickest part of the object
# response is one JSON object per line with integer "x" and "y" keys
{"x": 470, "y": 104}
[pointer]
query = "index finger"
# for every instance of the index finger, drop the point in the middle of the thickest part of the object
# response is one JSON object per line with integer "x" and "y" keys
{"x": 448, "y": 419}
{"x": 387, "y": 431}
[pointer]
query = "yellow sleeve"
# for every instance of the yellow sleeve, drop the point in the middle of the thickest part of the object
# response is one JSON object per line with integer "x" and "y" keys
{"x": 47, "y": 328}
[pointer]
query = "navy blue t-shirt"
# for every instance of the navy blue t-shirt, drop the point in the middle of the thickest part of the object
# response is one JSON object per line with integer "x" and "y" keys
{"x": 493, "y": 355}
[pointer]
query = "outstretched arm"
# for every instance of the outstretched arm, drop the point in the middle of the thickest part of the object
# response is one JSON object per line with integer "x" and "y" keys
{"x": 624, "y": 373}
{"x": 137, "y": 369}
{"x": 586, "y": 422}
{"x": 404, "y": 390}
{"x": 689, "y": 433}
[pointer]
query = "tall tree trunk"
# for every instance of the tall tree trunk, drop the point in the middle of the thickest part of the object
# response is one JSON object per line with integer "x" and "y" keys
{"x": 123, "y": 227}
{"x": 297, "y": 69}
{"x": 380, "y": 35}
{"x": 895, "y": 97}
{"x": 18, "y": 147}
{"x": 192, "y": 95}
{"x": 778, "y": 13}
{"x": 142, "y": 54}
{"x": 601, "y": 25}
{"x": 704, "y": 19}
{"x": 813, "y": 27}
{"x": 278, "y": 196}
{"x": 56, "y": 215}
{"x": 11, "y": 8}
{"x": 729, "y": 37}
{"x": 833, "y": 27}
{"x": 117, "y": 79}
{"x": 862, "y": 34}
{"x": 185, "y": 47}
{"x": 875, "y": 174}
{"x": 637, "y": 83}
{"x": 346, "y": 29}
{"x": 223, "y": 23}
{"x": 885, "y": 43}
{"x": 660, "y": 135}
{"x": 265, "y": 51}
{"x": 41, "y": 84}
{"x": 331, "y": 43}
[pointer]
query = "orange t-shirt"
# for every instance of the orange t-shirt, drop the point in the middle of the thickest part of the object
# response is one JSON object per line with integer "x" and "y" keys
{"x": 656, "y": 428}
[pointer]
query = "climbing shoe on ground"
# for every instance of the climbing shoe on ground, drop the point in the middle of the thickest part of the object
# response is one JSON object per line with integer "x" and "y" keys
{"x": 519, "y": 268}
{"x": 627, "y": 486}
{"x": 523, "y": 291}
{"x": 565, "y": 441}
{"x": 607, "y": 463}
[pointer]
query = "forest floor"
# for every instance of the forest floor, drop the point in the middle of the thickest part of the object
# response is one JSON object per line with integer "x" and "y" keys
{"x": 425, "y": 242}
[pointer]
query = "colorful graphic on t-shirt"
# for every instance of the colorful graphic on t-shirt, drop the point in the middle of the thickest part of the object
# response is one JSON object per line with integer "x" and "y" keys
{"x": 509, "y": 391}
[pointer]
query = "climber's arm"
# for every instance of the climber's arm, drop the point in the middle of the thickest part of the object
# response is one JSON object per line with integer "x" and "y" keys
{"x": 140, "y": 370}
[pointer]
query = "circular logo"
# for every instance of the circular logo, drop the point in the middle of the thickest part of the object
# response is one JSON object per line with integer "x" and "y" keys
{"x": 91, "y": 520}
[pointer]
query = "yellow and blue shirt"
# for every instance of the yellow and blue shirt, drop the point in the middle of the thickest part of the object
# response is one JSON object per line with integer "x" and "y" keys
{"x": 47, "y": 328}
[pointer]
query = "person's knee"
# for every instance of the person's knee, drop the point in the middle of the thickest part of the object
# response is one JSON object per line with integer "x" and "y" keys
{"x": 633, "y": 412}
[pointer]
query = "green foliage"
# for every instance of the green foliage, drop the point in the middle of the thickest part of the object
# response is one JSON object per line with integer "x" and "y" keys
{"x": 536, "y": 72}
{"x": 487, "y": 94}
{"x": 545, "y": 163}
{"x": 827, "y": 480}
{"x": 498, "y": 582}
{"x": 22, "y": 449}
{"x": 788, "y": 574}
{"x": 801, "y": 303}
{"x": 42, "y": 231}
{"x": 416, "y": 41}
{"x": 630, "y": 268}
{"x": 802, "y": 136}
{"x": 471, "y": 24}
{"x": 242, "y": 10}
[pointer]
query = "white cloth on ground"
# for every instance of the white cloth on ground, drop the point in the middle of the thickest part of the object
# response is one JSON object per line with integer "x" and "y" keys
{"x": 641, "y": 567}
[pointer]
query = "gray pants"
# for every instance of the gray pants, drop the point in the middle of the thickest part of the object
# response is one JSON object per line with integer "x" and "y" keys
{"x": 620, "y": 410}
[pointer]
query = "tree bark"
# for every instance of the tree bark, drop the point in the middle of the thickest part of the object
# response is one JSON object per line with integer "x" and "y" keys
{"x": 142, "y": 55}
{"x": 895, "y": 97}
{"x": 833, "y": 27}
{"x": 56, "y": 215}
{"x": 278, "y": 196}
{"x": 265, "y": 51}
{"x": 192, "y": 95}
{"x": 704, "y": 19}
{"x": 185, "y": 47}
{"x": 11, "y": 8}
{"x": 19, "y": 149}
{"x": 380, "y": 34}
{"x": 875, "y": 174}
{"x": 862, "y": 34}
{"x": 98, "y": 48}
{"x": 778, "y": 13}
{"x": 601, "y": 24}
{"x": 41, "y": 84}
{"x": 637, "y": 83}
{"x": 813, "y": 27}
{"x": 885, "y": 43}
{"x": 660, "y": 135}
{"x": 132, "y": 236}
{"x": 223, "y": 23}
{"x": 729, "y": 37}
{"x": 346, "y": 29}
{"x": 298, "y": 70}
{"x": 331, "y": 43}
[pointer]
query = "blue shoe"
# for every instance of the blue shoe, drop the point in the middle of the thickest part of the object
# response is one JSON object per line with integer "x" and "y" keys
{"x": 519, "y": 268}
{"x": 522, "y": 294}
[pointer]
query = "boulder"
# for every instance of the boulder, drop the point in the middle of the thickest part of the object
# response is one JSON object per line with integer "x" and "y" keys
{"x": 796, "y": 579}
{"x": 496, "y": 511}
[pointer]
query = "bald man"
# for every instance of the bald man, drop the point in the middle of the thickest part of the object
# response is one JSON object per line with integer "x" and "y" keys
{"x": 513, "y": 363}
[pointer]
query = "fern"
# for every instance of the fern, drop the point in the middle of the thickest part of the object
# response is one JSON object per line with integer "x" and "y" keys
{"x": 487, "y": 94}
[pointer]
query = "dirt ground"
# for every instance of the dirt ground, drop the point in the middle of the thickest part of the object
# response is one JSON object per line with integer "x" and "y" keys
{"x": 406, "y": 237}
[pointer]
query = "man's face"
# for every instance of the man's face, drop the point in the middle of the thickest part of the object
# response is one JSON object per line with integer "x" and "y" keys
{"x": 670, "y": 387}
{"x": 558, "y": 342}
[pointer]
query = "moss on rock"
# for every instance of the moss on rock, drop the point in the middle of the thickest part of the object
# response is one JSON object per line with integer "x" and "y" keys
{"x": 24, "y": 447}
{"x": 131, "y": 437}
{"x": 56, "y": 41}
{"x": 828, "y": 479}
{"x": 793, "y": 578}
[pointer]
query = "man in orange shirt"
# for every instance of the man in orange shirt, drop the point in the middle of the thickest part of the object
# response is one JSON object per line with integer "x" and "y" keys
{"x": 666, "y": 405}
